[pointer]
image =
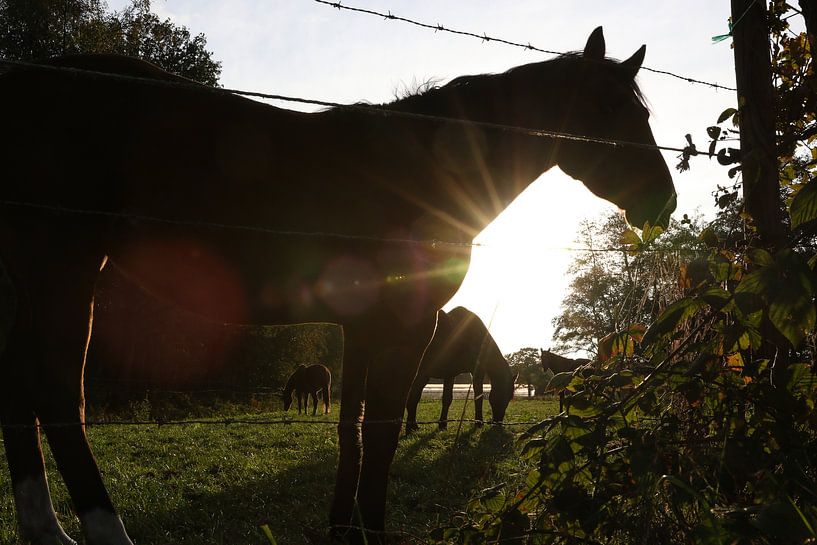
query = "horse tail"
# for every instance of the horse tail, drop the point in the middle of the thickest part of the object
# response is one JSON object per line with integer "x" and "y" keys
{"x": 327, "y": 387}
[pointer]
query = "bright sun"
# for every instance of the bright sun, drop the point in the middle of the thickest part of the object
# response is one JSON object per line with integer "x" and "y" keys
{"x": 518, "y": 274}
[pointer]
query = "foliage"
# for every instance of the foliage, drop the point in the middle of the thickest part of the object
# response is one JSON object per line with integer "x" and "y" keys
{"x": 707, "y": 433}
{"x": 528, "y": 363}
{"x": 623, "y": 279}
{"x": 32, "y": 30}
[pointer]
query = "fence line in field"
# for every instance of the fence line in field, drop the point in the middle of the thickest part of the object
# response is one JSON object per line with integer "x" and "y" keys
{"x": 358, "y": 423}
{"x": 57, "y": 209}
{"x": 368, "y": 108}
{"x": 485, "y": 38}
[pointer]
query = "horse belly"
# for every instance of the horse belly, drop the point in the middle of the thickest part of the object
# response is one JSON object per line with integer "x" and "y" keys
{"x": 257, "y": 278}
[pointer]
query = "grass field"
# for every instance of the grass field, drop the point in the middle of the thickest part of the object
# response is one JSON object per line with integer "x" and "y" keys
{"x": 208, "y": 484}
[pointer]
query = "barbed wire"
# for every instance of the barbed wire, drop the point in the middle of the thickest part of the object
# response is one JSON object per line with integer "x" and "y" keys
{"x": 485, "y": 38}
{"x": 369, "y": 108}
{"x": 159, "y": 422}
{"x": 323, "y": 234}
{"x": 299, "y": 233}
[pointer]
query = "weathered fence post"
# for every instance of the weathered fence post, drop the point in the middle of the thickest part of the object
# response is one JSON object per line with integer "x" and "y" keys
{"x": 753, "y": 72}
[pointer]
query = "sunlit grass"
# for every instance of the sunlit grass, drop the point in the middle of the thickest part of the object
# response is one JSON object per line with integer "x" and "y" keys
{"x": 218, "y": 484}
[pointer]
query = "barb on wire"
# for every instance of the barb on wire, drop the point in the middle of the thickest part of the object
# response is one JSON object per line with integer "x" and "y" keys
{"x": 485, "y": 38}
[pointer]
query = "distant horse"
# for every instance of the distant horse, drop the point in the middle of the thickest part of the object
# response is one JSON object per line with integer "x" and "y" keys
{"x": 462, "y": 344}
{"x": 245, "y": 212}
{"x": 309, "y": 381}
{"x": 560, "y": 364}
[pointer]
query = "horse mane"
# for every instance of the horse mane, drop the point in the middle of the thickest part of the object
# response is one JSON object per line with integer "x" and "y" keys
{"x": 428, "y": 93}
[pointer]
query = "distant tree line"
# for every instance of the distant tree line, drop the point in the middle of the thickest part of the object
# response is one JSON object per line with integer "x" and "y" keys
{"x": 34, "y": 30}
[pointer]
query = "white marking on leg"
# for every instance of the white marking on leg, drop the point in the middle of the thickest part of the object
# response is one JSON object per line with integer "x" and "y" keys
{"x": 35, "y": 513}
{"x": 103, "y": 528}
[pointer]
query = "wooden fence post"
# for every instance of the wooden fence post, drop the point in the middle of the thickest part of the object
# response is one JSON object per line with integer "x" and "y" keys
{"x": 753, "y": 71}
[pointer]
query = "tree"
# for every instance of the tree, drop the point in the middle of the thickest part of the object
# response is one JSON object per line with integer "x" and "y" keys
{"x": 622, "y": 279}
{"x": 527, "y": 362}
{"x": 32, "y": 30}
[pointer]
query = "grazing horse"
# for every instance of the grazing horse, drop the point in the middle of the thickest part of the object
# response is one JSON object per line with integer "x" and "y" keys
{"x": 462, "y": 344}
{"x": 560, "y": 364}
{"x": 246, "y": 212}
{"x": 308, "y": 381}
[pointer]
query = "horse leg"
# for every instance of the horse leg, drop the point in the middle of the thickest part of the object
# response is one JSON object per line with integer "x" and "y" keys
{"x": 389, "y": 380}
{"x": 314, "y": 403}
{"x": 350, "y": 442}
{"x": 37, "y": 521}
{"x": 326, "y": 401}
{"x": 476, "y": 381}
{"x": 300, "y": 397}
{"x": 413, "y": 400}
{"x": 62, "y": 320}
{"x": 448, "y": 397}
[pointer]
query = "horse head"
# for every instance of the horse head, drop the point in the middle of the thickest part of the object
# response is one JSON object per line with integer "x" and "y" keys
{"x": 608, "y": 104}
{"x": 590, "y": 95}
{"x": 501, "y": 394}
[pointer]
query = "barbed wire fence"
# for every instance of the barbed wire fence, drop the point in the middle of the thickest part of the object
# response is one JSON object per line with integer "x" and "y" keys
{"x": 371, "y": 109}
{"x": 493, "y": 39}
{"x": 6, "y": 64}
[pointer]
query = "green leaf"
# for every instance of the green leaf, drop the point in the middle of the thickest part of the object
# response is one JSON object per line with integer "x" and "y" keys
{"x": 716, "y": 297}
{"x": 804, "y": 206}
{"x": 760, "y": 257}
{"x": 651, "y": 233}
{"x": 672, "y": 317}
{"x": 630, "y": 237}
{"x": 726, "y": 114}
{"x": 792, "y": 313}
{"x": 709, "y": 237}
{"x": 801, "y": 380}
{"x": 268, "y": 534}
{"x": 560, "y": 380}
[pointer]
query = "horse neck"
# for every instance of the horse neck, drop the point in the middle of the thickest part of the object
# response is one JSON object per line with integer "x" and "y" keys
{"x": 560, "y": 364}
{"x": 494, "y": 363}
{"x": 503, "y": 163}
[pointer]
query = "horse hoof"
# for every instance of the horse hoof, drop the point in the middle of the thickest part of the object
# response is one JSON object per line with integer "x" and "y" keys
{"x": 479, "y": 424}
{"x": 442, "y": 426}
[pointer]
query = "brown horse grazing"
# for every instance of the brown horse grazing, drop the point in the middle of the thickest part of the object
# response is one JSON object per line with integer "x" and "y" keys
{"x": 341, "y": 214}
{"x": 560, "y": 364}
{"x": 462, "y": 344}
{"x": 309, "y": 381}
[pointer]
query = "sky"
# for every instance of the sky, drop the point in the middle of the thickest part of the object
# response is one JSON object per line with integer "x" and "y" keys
{"x": 517, "y": 281}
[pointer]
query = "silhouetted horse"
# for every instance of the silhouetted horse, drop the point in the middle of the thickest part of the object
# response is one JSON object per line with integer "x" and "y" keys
{"x": 341, "y": 213}
{"x": 462, "y": 344}
{"x": 309, "y": 381}
{"x": 560, "y": 364}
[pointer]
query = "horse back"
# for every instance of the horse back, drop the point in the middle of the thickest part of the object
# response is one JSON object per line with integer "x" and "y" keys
{"x": 316, "y": 376}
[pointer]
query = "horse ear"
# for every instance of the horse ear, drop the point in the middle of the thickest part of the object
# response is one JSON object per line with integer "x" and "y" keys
{"x": 595, "y": 45}
{"x": 634, "y": 63}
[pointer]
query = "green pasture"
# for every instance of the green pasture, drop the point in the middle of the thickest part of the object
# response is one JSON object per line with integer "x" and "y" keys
{"x": 210, "y": 484}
